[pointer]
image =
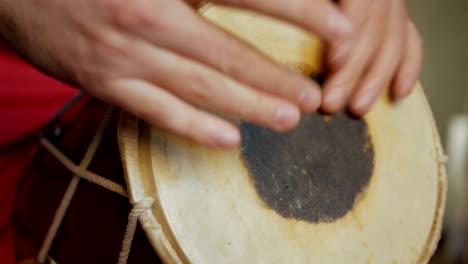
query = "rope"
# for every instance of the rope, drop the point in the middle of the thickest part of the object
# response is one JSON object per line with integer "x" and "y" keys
{"x": 443, "y": 159}
{"x": 137, "y": 210}
{"x": 82, "y": 172}
{"x": 67, "y": 106}
{"x": 72, "y": 186}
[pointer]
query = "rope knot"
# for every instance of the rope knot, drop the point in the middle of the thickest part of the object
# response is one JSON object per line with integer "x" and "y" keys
{"x": 443, "y": 159}
{"x": 138, "y": 208}
{"x": 142, "y": 206}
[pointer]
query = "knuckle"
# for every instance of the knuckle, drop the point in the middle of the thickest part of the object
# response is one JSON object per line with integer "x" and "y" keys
{"x": 303, "y": 10}
{"x": 113, "y": 43}
{"x": 201, "y": 91}
{"x": 134, "y": 15}
{"x": 289, "y": 85}
{"x": 89, "y": 65}
{"x": 189, "y": 126}
{"x": 418, "y": 38}
{"x": 234, "y": 63}
{"x": 99, "y": 60}
{"x": 260, "y": 109}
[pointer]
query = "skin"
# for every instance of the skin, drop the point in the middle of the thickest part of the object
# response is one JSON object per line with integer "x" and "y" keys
{"x": 174, "y": 72}
{"x": 385, "y": 53}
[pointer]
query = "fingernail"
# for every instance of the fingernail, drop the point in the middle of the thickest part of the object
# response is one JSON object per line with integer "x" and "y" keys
{"x": 227, "y": 137}
{"x": 287, "y": 116}
{"x": 340, "y": 24}
{"x": 309, "y": 99}
{"x": 334, "y": 98}
{"x": 405, "y": 88}
{"x": 364, "y": 99}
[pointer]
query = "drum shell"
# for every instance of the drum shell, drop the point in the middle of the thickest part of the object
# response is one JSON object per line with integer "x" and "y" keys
{"x": 94, "y": 225}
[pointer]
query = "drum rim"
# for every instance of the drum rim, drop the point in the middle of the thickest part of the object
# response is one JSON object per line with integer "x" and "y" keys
{"x": 436, "y": 229}
{"x": 130, "y": 133}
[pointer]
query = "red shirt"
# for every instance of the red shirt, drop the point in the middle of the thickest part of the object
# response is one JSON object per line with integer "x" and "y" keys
{"x": 28, "y": 99}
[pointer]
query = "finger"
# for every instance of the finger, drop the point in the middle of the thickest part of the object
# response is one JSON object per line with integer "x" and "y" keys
{"x": 201, "y": 41}
{"x": 319, "y": 16}
{"x": 161, "y": 109}
{"x": 359, "y": 12}
{"x": 383, "y": 69}
{"x": 345, "y": 78}
{"x": 204, "y": 87}
{"x": 411, "y": 65}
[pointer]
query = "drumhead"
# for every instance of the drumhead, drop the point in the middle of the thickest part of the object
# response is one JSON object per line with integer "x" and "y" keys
{"x": 335, "y": 190}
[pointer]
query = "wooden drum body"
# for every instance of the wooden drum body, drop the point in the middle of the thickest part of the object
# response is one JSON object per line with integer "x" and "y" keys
{"x": 335, "y": 190}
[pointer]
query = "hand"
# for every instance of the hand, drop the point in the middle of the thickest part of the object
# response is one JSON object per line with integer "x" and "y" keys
{"x": 161, "y": 61}
{"x": 385, "y": 52}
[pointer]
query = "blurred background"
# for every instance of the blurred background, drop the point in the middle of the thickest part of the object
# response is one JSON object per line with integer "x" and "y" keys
{"x": 444, "y": 27}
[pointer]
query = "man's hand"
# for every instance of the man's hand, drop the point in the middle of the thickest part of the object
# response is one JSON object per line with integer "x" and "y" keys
{"x": 385, "y": 52}
{"x": 164, "y": 63}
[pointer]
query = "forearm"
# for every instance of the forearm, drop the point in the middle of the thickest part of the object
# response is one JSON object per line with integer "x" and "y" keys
{"x": 6, "y": 24}
{"x": 22, "y": 25}
{"x": 12, "y": 15}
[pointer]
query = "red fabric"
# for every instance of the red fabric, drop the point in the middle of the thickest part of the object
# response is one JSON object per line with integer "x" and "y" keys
{"x": 94, "y": 224}
{"x": 12, "y": 164}
{"x": 32, "y": 182}
{"x": 28, "y": 99}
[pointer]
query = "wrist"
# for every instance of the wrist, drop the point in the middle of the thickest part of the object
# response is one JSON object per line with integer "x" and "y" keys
{"x": 4, "y": 20}
{"x": 8, "y": 28}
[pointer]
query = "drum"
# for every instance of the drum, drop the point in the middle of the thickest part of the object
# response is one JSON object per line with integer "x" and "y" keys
{"x": 337, "y": 189}
{"x": 71, "y": 204}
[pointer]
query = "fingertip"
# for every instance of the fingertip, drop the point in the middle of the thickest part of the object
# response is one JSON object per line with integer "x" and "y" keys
{"x": 360, "y": 107}
{"x": 228, "y": 138}
{"x": 223, "y": 136}
{"x": 403, "y": 88}
{"x": 362, "y": 101}
{"x": 411, "y": 65}
{"x": 340, "y": 26}
{"x": 287, "y": 117}
{"x": 310, "y": 99}
{"x": 333, "y": 100}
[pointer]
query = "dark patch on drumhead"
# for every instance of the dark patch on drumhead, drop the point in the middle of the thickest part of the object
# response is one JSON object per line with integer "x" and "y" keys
{"x": 313, "y": 173}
